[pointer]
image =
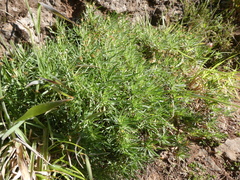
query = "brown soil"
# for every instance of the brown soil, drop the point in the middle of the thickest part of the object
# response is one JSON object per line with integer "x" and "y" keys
{"x": 203, "y": 162}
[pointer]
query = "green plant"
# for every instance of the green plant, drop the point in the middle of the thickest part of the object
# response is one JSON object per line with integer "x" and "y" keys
{"x": 36, "y": 21}
{"x": 20, "y": 148}
{"x": 137, "y": 90}
{"x": 216, "y": 30}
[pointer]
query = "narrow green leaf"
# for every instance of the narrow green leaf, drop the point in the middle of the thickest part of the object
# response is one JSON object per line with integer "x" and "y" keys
{"x": 32, "y": 112}
{"x": 185, "y": 55}
{"x": 89, "y": 169}
{"x": 61, "y": 92}
{"x": 213, "y": 99}
{"x": 68, "y": 142}
{"x": 93, "y": 116}
{"x": 66, "y": 171}
{"x": 38, "y": 24}
{"x": 12, "y": 130}
{"x": 32, "y": 158}
{"x": 40, "y": 109}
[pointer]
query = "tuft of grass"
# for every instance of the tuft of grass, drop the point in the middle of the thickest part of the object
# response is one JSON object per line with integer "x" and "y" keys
{"x": 137, "y": 90}
{"x": 216, "y": 28}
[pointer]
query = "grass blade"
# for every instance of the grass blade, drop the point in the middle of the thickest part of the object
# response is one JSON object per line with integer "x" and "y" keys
{"x": 12, "y": 130}
{"x": 57, "y": 13}
{"x": 40, "y": 109}
{"x": 32, "y": 112}
{"x": 89, "y": 169}
{"x": 66, "y": 171}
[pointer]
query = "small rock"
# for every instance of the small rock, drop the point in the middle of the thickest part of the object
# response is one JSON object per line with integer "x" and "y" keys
{"x": 234, "y": 144}
{"x": 230, "y": 149}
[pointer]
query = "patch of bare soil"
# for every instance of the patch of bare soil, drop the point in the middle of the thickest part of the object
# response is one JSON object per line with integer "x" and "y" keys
{"x": 16, "y": 20}
{"x": 203, "y": 162}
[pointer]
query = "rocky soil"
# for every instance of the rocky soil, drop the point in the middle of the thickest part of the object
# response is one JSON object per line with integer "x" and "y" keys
{"x": 16, "y": 23}
{"x": 205, "y": 162}
{"x": 221, "y": 162}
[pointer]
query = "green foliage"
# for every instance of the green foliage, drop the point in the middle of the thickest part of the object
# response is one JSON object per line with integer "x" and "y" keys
{"x": 137, "y": 90}
{"x": 19, "y": 149}
{"x": 215, "y": 26}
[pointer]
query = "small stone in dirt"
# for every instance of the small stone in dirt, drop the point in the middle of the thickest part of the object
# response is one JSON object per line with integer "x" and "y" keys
{"x": 230, "y": 149}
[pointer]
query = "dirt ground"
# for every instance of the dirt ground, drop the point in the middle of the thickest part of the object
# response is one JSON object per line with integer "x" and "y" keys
{"x": 203, "y": 162}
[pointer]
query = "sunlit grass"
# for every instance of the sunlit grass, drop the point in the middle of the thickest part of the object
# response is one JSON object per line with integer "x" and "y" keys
{"x": 135, "y": 90}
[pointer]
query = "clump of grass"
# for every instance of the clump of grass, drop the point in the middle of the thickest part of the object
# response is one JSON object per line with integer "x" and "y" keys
{"x": 25, "y": 144}
{"x": 134, "y": 87}
{"x": 215, "y": 26}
